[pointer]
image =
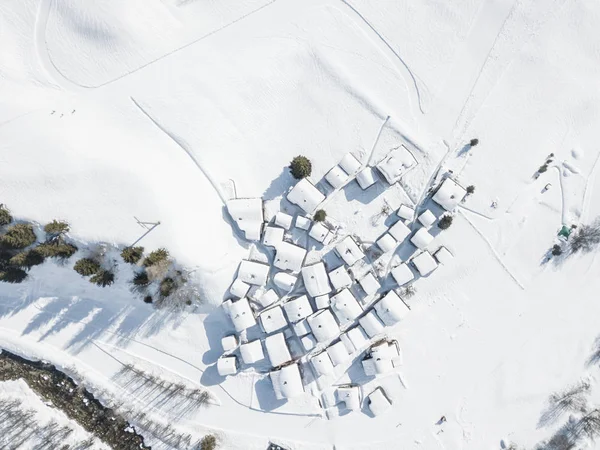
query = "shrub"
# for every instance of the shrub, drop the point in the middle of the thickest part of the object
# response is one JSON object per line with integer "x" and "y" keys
{"x": 208, "y": 442}
{"x": 408, "y": 291}
{"x": 20, "y": 235}
{"x": 86, "y": 267}
{"x": 167, "y": 286}
{"x": 103, "y": 278}
{"x": 556, "y": 250}
{"x": 132, "y": 255}
{"x": 56, "y": 228}
{"x": 474, "y": 142}
{"x": 57, "y": 249}
{"x": 320, "y": 215}
{"x": 148, "y": 299}
{"x": 5, "y": 217}
{"x": 141, "y": 279}
{"x": 445, "y": 222}
{"x": 12, "y": 275}
{"x": 586, "y": 238}
{"x": 470, "y": 189}
{"x": 543, "y": 168}
{"x": 155, "y": 257}
{"x": 27, "y": 259}
{"x": 301, "y": 167}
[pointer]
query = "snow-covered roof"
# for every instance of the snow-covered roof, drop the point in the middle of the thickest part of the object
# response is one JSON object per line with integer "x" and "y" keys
{"x": 308, "y": 342}
{"x": 378, "y": 402}
{"x": 287, "y": 382}
{"x": 283, "y": 220}
{"x": 386, "y": 242}
{"x": 369, "y": 283}
{"x": 427, "y": 218}
{"x": 252, "y": 352}
{"x": 365, "y": 178}
{"x": 315, "y": 279}
{"x": 247, "y": 213}
{"x": 302, "y": 222}
{"x": 336, "y": 177}
{"x": 277, "y": 349}
{"x": 297, "y": 309}
{"x": 443, "y": 255}
{"x": 340, "y": 278}
{"x": 371, "y": 324}
{"x": 399, "y": 231}
{"x": 253, "y": 272}
{"x": 349, "y": 251}
{"x": 391, "y": 309}
{"x": 323, "y": 325}
{"x": 425, "y": 263}
{"x": 345, "y": 306}
{"x": 350, "y": 164}
{"x": 289, "y": 257}
{"x": 396, "y": 164}
{"x": 229, "y": 342}
{"x": 322, "y": 301}
{"x": 338, "y": 353}
{"x": 421, "y": 239}
{"x": 239, "y": 289}
{"x": 268, "y": 298}
{"x": 350, "y": 396}
{"x": 272, "y": 319}
{"x": 306, "y": 196}
{"x": 322, "y": 363}
{"x": 355, "y": 338}
{"x": 380, "y": 359}
{"x": 402, "y": 274}
{"x": 240, "y": 313}
{"x": 227, "y": 365}
{"x": 450, "y": 194}
{"x": 318, "y": 232}
{"x": 405, "y": 212}
{"x": 284, "y": 281}
{"x": 301, "y": 328}
{"x": 273, "y": 236}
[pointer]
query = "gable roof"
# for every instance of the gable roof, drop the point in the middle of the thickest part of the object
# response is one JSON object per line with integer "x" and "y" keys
{"x": 449, "y": 194}
{"x": 425, "y": 263}
{"x": 289, "y": 257}
{"x": 306, "y": 196}
{"x": 240, "y": 313}
{"x": 398, "y": 162}
{"x": 287, "y": 382}
{"x": 391, "y": 309}
{"x": 345, "y": 306}
{"x": 297, "y": 308}
{"x": 349, "y": 250}
{"x": 315, "y": 279}
{"x": 277, "y": 349}
{"x": 253, "y": 272}
{"x": 323, "y": 325}
{"x": 247, "y": 213}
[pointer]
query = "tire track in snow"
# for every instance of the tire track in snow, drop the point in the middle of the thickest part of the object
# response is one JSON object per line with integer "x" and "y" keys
{"x": 181, "y": 144}
{"x": 406, "y": 71}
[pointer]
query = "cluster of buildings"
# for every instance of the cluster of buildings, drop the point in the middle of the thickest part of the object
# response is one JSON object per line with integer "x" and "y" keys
{"x": 309, "y": 322}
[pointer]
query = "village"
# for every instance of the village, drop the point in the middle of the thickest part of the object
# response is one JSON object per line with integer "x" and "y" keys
{"x": 315, "y": 302}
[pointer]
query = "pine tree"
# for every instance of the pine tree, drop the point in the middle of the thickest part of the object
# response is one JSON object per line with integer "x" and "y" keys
{"x": 56, "y": 228}
{"x": 20, "y": 235}
{"x": 474, "y": 142}
{"x": 445, "y": 222}
{"x": 5, "y": 217}
{"x": 27, "y": 259}
{"x": 470, "y": 189}
{"x": 301, "y": 167}
{"x": 167, "y": 286}
{"x": 155, "y": 257}
{"x": 132, "y": 255}
{"x": 57, "y": 249}
{"x": 86, "y": 267}
{"x": 320, "y": 215}
{"x": 13, "y": 275}
{"x": 103, "y": 278}
{"x": 141, "y": 279}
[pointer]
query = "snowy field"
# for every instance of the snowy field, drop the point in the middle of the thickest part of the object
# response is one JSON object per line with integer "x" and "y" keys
{"x": 163, "y": 110}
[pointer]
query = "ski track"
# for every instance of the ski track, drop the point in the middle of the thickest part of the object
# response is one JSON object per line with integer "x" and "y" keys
{"x": 406, "y": 71}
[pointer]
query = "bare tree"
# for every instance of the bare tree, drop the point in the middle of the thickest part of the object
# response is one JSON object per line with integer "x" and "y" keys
{"x": 586, "y": 239}
{"x": 572, "y": 399}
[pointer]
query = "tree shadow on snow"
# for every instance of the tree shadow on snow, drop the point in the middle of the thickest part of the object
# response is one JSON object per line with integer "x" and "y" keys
{"x": 279, "y": 185}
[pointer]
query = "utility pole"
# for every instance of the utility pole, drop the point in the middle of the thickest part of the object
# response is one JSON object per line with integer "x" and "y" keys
{"x": 149, "y": 226}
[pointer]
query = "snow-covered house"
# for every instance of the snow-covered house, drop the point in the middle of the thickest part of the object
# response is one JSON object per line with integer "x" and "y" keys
{"x": 319, "y": 232}
{"x": 349, "y": 251}
{"x": 227, "y": 365}
{"x": 239, "y": 289}
{"x": 308, "y": 342}
{"x": 405, "y": 212}
{"x": 229, "y": 342}
{"x": 369, "y": 283}
{"x": 272, "y": 319}
{"x": 302, "y": 222}
{"x": 391, "y": 309}
{"x": 247, "y": 213}
{"x": 402, "y": 274}
{"x": 338, "y": 353}
{"x": 240, "y": 313}
{"x": 398, "y": 162}
{"x": 371, "y": 324}
{"x": 350, "y": 164}
{"x": 322, "y": 364}
{"x": 365, "y": 178}
{"x": 421, "y": 239}
{"x": 252, "y": 352}
{"x": 340, "y": 278}
{"x": 349, "y": 396}
{"x": 449, "y": 194}
{"x": 297, "y": 309}
{"x": 301, "y": 328}
{"x": 382, "y": 358}
{"x": 277, "y": 349}
{"x": 323, "y": 325}
{"x": 268, "y": 298}
{"x": 399, "y": 230}
{"x": 289, "y": 257}
{"x": 443, "y": 256}
{"x": 336, "y": 177}
{"x": 345, "y": 307}
{"x": 253, "y": 272}
{"x": 378, "y": 402}
{"x": 355, "y": 338}
{"x": 316, "y": 280}
{"x": 284, "y": 220}
{"x": 284, "y": 281}
{"x": 427, "y": 218}
{"x": 425, "y": 263}
{"x": 386, "y": 243}
{"x": 273, "y": 236}
{"x": 287, "y": 382}
{"x": 306, "y": 196}
{"x": 322, "y": 301}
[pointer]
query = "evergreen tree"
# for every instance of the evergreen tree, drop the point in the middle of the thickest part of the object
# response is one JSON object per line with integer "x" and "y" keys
{"x": 445, "y": 222}
{"x": 155, "y": 257}
{"x": 56, "y": 228}
{"x": 301, "y": 167}
{"x": 5, "y": 217}
{"x": 320, "y": 215}
{"x": 103, "y": 278}
{"x": 132, "y": 255}
{"x": 86, "y": 267}
{"x": 20, "y": 235}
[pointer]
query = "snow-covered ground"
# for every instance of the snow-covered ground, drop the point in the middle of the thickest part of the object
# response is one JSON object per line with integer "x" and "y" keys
{"x": 162, "y": 110}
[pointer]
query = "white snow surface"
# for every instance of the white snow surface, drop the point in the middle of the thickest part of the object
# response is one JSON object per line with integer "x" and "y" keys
{"x": 163, "y": 110}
